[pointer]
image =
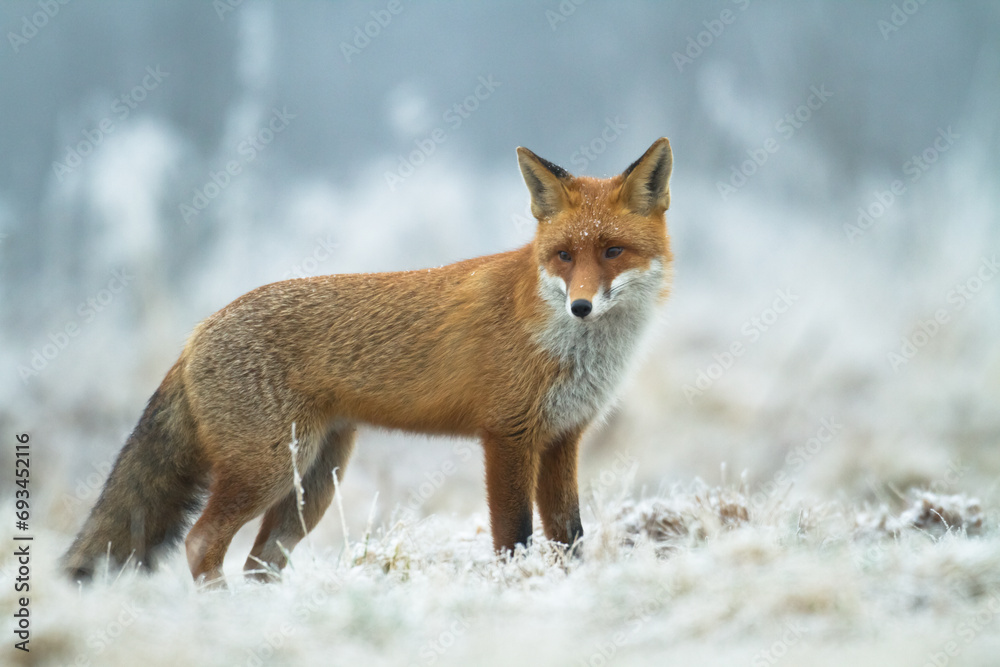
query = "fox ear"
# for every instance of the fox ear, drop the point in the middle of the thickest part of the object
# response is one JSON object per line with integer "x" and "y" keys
{"x": 646, "y": 189}
{"x": 546, "y": 183}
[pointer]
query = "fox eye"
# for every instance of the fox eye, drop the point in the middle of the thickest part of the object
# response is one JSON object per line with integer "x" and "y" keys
{"x": 565, "y": 256}
{"x": 613, "y": 252}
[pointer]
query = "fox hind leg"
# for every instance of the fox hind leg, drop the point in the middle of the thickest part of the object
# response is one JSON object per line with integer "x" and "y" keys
{"x": 244, "y": 484}
{"x": 233, "y": 501}
{"x": 282, "y": 526}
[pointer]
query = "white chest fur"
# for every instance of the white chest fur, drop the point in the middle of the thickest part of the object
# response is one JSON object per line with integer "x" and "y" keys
{"x": 595, "y": 356}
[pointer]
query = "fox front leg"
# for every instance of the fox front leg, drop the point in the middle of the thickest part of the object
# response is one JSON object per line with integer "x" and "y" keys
{"x": 511, "y": 471}
{"x": 556, "y": 492}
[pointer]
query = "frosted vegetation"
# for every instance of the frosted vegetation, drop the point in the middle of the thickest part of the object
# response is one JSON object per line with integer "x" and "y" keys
{"x": 692, "y": 574}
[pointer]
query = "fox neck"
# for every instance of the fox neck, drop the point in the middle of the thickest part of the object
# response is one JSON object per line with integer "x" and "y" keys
{"x": 595, "y": 355}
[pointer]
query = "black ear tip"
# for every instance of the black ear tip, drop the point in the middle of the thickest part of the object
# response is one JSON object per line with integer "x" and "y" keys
{"x": 663, "y": 144}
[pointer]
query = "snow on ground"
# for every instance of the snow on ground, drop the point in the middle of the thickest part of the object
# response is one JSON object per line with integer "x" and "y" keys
{"x": 695, "y": 575}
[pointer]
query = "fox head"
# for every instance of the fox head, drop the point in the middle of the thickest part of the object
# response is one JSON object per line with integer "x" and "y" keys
{"x": 601, "y": 243}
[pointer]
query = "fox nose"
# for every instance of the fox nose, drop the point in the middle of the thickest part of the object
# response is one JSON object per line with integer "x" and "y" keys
{"x": 581, "y": 308}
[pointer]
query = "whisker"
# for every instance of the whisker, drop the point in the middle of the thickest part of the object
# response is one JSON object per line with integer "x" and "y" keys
{"x": 618, "y": 288}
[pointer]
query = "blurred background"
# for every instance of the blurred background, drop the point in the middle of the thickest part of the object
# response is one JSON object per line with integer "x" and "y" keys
{"x": 834, "y": 329}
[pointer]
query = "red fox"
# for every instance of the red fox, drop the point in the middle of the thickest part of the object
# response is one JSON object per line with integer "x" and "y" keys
{"x": 523, "y": 349}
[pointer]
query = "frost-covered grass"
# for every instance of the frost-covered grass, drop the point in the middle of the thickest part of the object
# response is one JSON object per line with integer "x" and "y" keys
{"x": 695, "y": 575}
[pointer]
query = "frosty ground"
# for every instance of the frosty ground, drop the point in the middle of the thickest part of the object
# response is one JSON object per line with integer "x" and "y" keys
{"x": 695, "y": 575}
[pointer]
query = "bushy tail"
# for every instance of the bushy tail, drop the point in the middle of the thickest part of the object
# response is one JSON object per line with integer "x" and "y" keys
{"x": 156, "y": 485}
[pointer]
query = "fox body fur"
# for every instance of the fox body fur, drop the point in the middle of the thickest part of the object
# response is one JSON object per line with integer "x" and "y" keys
{"x": 523, "y": 349}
